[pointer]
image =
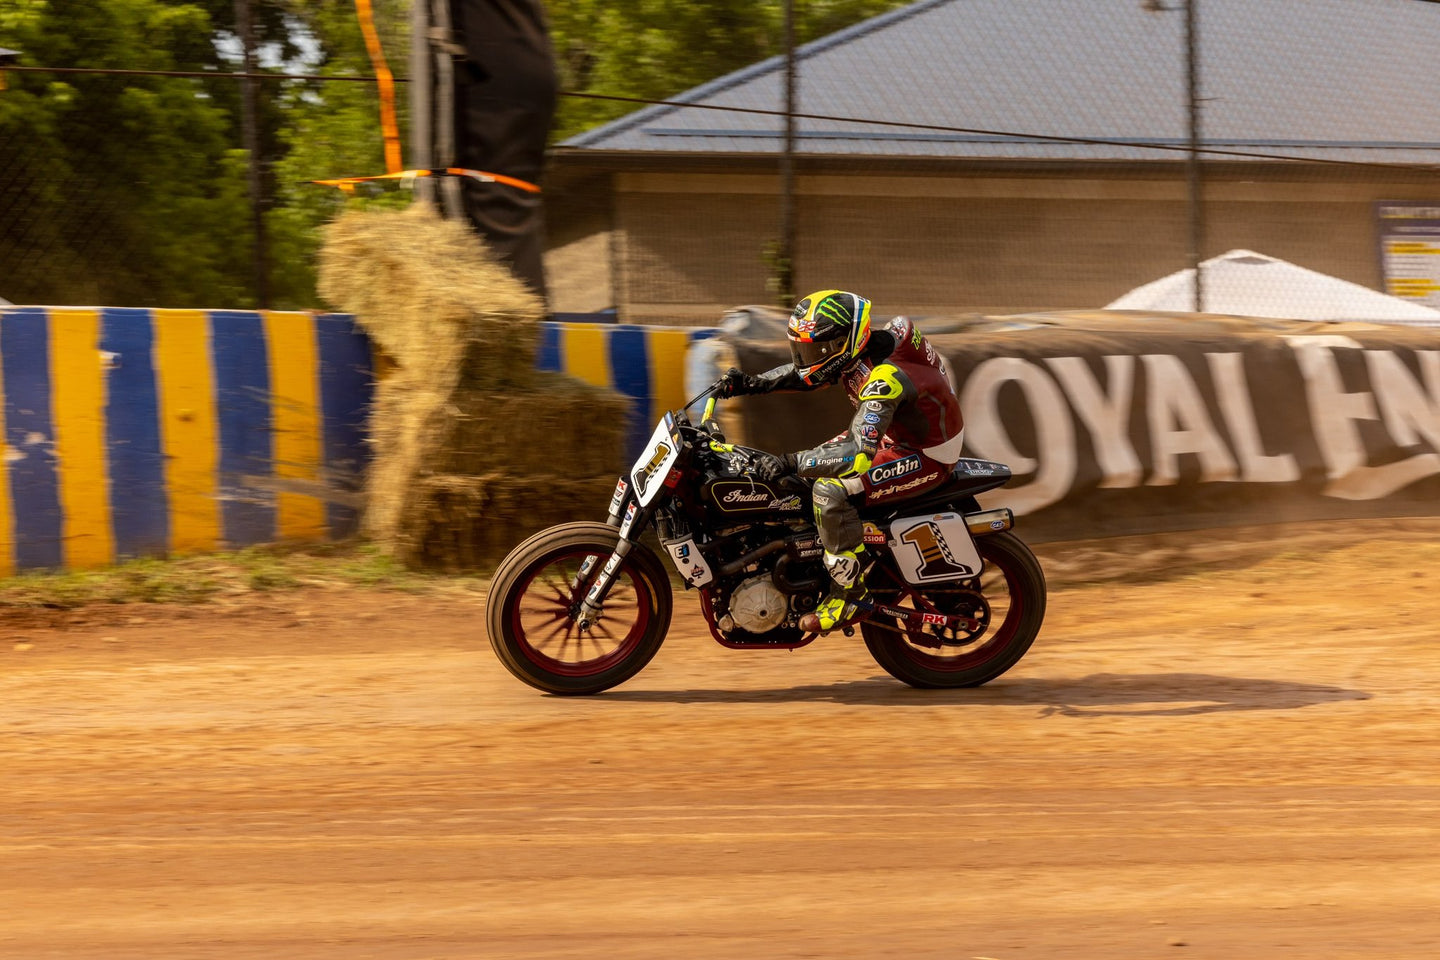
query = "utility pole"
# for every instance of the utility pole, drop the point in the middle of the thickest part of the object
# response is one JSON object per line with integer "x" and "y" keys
{"x": 785, "y": 273}
{"x": 1197, "y": 208}
{"x": 250, "y": 133}
{"x": 421, "y": 110}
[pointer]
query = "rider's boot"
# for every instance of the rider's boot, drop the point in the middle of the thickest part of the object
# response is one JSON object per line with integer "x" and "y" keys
{"x": 844, "y": 605}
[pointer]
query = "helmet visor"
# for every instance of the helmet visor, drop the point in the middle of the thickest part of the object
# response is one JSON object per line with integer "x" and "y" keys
{"x": 810, "y": 355}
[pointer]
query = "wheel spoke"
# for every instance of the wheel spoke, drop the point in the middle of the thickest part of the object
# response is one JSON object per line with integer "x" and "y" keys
{"x": 544, "y": 616}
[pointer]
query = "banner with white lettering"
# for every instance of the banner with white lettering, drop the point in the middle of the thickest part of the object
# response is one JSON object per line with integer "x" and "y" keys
{"x": 1116, "y": 424}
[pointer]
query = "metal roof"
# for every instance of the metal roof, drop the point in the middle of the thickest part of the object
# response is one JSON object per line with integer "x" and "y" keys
{"x": 1304, "y": 79}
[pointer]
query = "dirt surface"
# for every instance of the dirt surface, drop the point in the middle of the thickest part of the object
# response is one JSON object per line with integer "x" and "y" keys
{"x": 1237, "y": 763}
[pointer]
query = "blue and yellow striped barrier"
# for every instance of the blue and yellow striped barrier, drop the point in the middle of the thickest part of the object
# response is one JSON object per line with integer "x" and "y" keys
{"x": 134, "y": 432}
{"x": 646, "y": 364}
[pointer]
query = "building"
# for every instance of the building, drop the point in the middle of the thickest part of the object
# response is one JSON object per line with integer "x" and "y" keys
{"x": 1039, "y": 162}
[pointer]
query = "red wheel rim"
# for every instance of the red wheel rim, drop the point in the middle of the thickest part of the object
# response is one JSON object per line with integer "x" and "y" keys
{"x": 1006, "y": 611}
{"x": 540, "y": 616}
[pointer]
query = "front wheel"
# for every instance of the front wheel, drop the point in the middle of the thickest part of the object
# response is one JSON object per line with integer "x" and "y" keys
{"x": 536, "y": 591}
{"x": 1007, "y": 600}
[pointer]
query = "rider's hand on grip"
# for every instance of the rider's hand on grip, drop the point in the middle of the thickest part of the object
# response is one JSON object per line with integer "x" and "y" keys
{"x": 738, "y": 383}
{"x": 770, "y": 467}
{"x": 732, "y": 384}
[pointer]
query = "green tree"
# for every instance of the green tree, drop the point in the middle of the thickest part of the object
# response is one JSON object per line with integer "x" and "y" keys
{"x": 117, "y": 189}
{"x": 655, "y": 49}
{"x": 132, "y": 190}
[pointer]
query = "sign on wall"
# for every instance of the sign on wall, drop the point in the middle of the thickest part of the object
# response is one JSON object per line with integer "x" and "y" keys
{"x": 1169, "y": 424}
{"x": 1410, "y": 250}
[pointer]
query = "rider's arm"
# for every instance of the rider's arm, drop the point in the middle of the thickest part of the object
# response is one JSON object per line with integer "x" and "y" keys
{"x": 783, "y": 377}
{"x": 851, "y": 454}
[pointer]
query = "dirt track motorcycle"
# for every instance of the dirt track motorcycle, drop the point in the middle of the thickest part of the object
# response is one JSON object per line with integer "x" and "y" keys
{"x": 955, "y": 600}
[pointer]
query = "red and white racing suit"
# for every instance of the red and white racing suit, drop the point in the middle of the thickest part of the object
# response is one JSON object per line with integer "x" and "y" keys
{"x": 902, "y": 442}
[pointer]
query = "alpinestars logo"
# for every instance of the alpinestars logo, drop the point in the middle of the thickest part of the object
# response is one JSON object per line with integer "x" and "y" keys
{"x": 885, "y": 472}
{"x": 843, "y": 568}
{"x": 875, "y": 388}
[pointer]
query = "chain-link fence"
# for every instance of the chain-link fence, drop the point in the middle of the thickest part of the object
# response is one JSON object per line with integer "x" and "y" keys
{"x": 955, "y": 156}
{"x": 943, "y": 157}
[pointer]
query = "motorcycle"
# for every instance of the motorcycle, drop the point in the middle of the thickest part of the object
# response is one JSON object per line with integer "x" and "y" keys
{"x": 955, "y": 598}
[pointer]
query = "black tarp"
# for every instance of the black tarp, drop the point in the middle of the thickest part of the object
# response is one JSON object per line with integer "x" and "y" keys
{"x": 505, "y": 90}
{"x": 1119, "y": 424}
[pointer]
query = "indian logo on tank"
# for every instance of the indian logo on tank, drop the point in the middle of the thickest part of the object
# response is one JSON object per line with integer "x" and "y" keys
{"x": 885, "y": 472}
{"x": 734, "y": 496}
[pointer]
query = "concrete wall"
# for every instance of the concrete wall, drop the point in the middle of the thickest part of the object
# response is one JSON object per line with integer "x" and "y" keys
{"x": 134, "y": 432}
{"x": 131, "y": 432}
{"x": 692, "y": 244}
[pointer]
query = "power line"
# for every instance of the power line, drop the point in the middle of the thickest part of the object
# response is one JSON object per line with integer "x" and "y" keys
{"x": 756, "y": 111}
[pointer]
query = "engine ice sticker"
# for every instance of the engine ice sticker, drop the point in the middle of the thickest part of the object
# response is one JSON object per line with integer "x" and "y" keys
{"x": 690, "y": 562}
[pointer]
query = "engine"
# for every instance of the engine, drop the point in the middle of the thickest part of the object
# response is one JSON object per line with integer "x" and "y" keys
{"x": 779, "y": 579}
{"x": 756, "y": 606}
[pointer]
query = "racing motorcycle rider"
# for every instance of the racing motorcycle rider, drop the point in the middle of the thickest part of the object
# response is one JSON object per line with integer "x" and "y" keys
{"x": 903, "y": 441}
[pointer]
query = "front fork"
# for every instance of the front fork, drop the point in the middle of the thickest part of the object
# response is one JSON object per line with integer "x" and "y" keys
{"x": 632, "y": 517}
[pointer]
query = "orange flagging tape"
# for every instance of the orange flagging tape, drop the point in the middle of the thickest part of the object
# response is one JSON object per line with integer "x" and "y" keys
{"x": 348, "y": 183}
{"x": 386, "y": 82}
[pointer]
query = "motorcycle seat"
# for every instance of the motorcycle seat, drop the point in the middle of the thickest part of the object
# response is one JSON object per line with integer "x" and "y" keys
{"x": 966, "y": 479}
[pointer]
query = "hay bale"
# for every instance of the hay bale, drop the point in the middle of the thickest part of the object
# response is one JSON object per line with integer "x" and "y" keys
{"x": 460, "y": 523}
{"x": 472, "y": 449}
{"x": 571, "y": 425}
{"x": 432, "y": 296}
{"x": 418, "y": 431}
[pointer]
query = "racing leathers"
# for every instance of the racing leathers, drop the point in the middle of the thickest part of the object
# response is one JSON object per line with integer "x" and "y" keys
{"x": 903, "y": 441}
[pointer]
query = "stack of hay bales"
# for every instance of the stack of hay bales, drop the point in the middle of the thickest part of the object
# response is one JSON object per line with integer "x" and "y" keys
{"x": 473, "y": 449}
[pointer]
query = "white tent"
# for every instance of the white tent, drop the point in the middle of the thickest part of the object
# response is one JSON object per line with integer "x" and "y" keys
{"x": 1248, "y": 284}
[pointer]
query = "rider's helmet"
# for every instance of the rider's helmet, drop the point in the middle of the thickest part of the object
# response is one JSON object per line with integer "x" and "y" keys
{"x": 828, "y": 332}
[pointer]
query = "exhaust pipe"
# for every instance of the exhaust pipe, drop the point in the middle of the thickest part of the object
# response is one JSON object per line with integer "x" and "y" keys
{"x": 990, "y": 521}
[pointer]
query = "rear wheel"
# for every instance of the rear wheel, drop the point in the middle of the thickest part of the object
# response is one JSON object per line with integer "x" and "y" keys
{"x": 536, "y": 593}
{"x": 1007, "y": 600}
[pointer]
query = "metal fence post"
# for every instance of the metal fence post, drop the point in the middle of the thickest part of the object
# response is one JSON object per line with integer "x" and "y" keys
{"x": 785, "y": 266}
{"x": 250, "y": 134}
{"x": 1192, "y": 167}
{"x": 421, "y": 107}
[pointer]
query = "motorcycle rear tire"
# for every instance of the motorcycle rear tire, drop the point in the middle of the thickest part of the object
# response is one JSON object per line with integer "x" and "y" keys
{"x": 524, "y": 658}
{"x": 1025, "y": 582}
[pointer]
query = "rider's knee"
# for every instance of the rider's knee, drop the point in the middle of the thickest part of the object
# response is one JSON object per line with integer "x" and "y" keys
{"x": 830, "y": 495}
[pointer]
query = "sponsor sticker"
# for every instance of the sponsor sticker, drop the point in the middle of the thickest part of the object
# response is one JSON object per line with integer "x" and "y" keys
{"x": 812, "y": 463}
{"x": 869, "y": 432}
{"x": 629, "y": 521}
{"x": 902, "y": 487}
{"x": 873, "y": 534}
{"x": 884, "y": 472}
{"x": 873, "y": 405}
{"x": 933, "y": 618}
{"x": 690, "y": 562}
{"x": 618, "y": 497}
{"x": 870, "y": 418}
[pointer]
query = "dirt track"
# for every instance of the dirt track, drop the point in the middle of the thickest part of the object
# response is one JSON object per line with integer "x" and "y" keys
{"x": 1239, "y": 764}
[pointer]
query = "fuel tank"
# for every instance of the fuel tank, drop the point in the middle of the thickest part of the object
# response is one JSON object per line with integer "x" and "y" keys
{"x": 747, "y": 498}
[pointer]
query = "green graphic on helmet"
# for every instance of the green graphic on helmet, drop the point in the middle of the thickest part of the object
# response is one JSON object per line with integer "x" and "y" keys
{"x": 828, "y": 332}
